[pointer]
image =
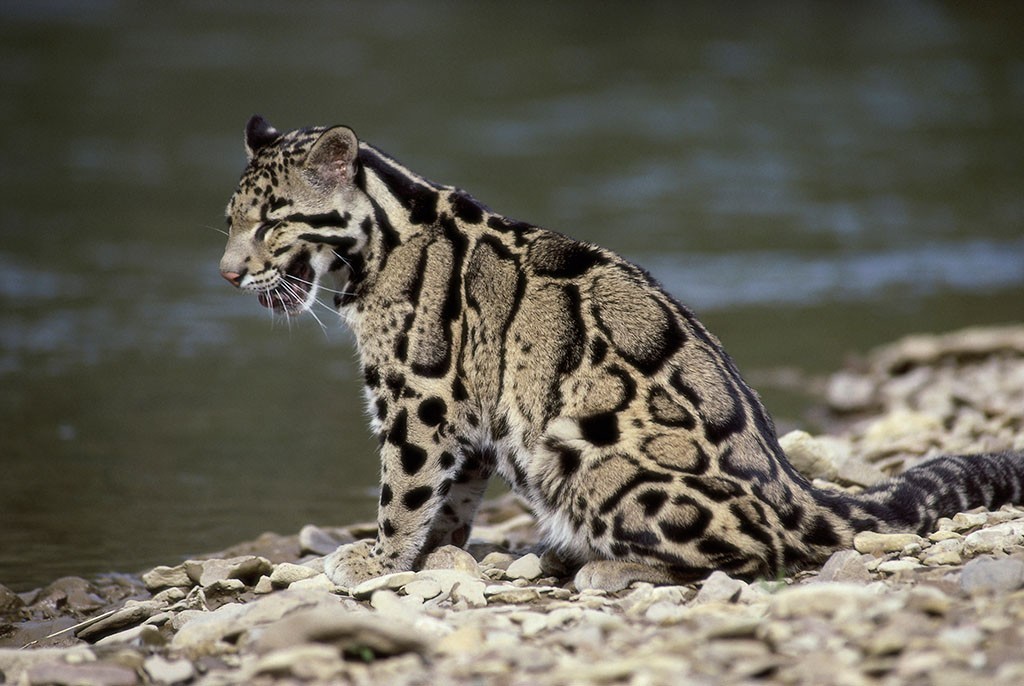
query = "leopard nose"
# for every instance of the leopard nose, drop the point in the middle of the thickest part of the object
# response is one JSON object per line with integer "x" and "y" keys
{"x": 234, "y": 278}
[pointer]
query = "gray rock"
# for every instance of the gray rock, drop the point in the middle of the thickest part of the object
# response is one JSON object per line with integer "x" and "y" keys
{"x": 84, "y": 674}
{"x": 317, "y": 541}
{"x": 719, "y": 587}
{"x": 161, "y": 577}
{"x": 987, "y": 575}
{"x": 307, "y": 662}
{"x": 527, "y": 567}
{"x": 837, "y": 599}
{"x": 469, "y": 592}
{"x": 845, "y": 565}
{"x": 994, "y": 539}
{"x": 133, "y": 613}
{"x": 10, "y": 602}
{"x": 351, "y": 634}
{"x": 246, "y": 568}
{"x": 164, "y": 671}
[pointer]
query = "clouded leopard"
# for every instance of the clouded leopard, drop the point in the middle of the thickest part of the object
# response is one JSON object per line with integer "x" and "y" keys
{"x": 491, "y": 345}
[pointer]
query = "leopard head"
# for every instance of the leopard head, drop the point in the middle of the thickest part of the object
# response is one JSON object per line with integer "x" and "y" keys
{"x": 293, "y": 222}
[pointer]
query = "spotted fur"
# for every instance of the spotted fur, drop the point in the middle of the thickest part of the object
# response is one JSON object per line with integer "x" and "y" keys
{"x": 490, "y": 345}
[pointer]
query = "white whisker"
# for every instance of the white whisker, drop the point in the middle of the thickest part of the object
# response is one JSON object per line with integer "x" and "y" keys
{"x": 320, "y": 286}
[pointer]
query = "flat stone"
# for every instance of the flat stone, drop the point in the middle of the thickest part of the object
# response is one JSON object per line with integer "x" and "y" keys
{"x": 423, "y": 588}
{"x": 83, "y": 674}
{"x": 900, "y": 565}
{"x": 286, "y": 573}
{"x": 313, "y": 539}
{"x": 451, "y": 557}
{"x": 161, "y": 577}
{"x": 347, "y": 632}
{"x": 497, "y": 560}
{"x": 994, "y": 539}
{"x": 320, "y": 582}
{"x": 164, "y": 671}
{"x": 387, "y": 582}
{"x": 308, "y": 662}
{"x": 719, "y": 587}
{"x": 874, "y": 543}
{"x": 987, "y": 575}
{"x": 527, "y": 567}
{"x": 246, "y": 568}
{"x": 845, "y": 565}
{"x": 134, "y": 612}
{"x": 510, "y": 594}
{"x": 470, "y": 592}
{"x": 835, "y": 599}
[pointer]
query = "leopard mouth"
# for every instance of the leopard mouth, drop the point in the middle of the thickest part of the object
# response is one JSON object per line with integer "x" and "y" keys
{"x": 291, "y": 295}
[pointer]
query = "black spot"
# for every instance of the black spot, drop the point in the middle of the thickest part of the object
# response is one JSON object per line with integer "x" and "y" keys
{"x": 652, "y": 501}
{"x": 446, "y": 460}
{"x": 332, "y": 219}
{"x": 791, "y": 517}
{"x": 459, "y": 390}
{"x": 641, "y": 537}
{"x": 716, "y": 547}
{"x": 371, "y": 375}
{"x": 432, "y": 411}
{"x": 398, "y": 432}
{"x": 417, "y": 497}
{"x": 387, "y": 528}
{"x": 414, "y": 195}
{"x": 402, "y": 347}
{"x": 466, "y": 208}
{"x": 385, "y": 495}
{"x": 600, "y": 429}
{"x": 619, "y": 549}
{"x": 506, "y": 225}
{"x": 691, "y": 521}
{"x": 382, "y": 408}
{"x": 342, "y": 243}
{"x": 445, "y": 487}
{"x": 641, "y": 477}
{"x": 395, "y": 383}
{"x": 413, "y": 458}
{"x": 821, "y": 533}
{"x": 598, "y": 527}
{"x": 568, "y": 459}
{"x": 598, "y": 350}
{"x": 715, "y": 488}
{"x": 560, "y": 257}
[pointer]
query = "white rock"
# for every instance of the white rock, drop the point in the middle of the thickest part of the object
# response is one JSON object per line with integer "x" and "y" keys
{"x": 876, "y": 544}
{"x": 510, "y": 594}
{"x": 164, "y": 671}
{"x": 286, "y": 573}
{"x": 719, "y": 587}
{"x": 836, "y": 599}
{"x": 423, "y": 588}
{"x": 994, "y": 539}
{"x": 166, "y": 577}
{"x": 387, "y": 582}
{"x": 904, "y": 564}
{"x": 527, "y": 567}
{"x": 469, "y": 592}
{"x": 247, "y": 568}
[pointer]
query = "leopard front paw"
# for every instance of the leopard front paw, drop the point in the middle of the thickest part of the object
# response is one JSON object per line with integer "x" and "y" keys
{"x": 353, "y": 564}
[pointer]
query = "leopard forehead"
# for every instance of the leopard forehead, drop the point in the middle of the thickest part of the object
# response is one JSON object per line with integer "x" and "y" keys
{"x": 269, "y": 181}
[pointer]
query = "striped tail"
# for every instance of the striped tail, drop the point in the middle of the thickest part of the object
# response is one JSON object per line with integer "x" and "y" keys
{"x": 941, "y": 487}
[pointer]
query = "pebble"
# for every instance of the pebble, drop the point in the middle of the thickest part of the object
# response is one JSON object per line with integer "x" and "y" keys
{"x": 246, "y": 568}
{"x": 160, "y": 578}
{"x": 380, "y": 583}
{"x": 423, "y": 588}
{"x": 845, "y": 565}
{"x": 132, "y": 613}
{"x": 84, "y": 674}
{"x": 988, "y": 575}
{"x": 164, "y": 671}
{"x": 995, "y": 539}
{"x": 527, "y": 567}
{"x": 871, "y": 542}
{"x": 510, "y": 594}
{"x": 904, "y": 564}
{"x": 316, "y": 541}
{"x": 286, "y": 573}
{"x": 720, "y": 587}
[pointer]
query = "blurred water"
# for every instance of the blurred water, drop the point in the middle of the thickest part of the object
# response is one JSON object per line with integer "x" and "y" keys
{"x": 812, "y": 180}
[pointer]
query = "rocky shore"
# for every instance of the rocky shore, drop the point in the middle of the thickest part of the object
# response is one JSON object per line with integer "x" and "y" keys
{"x": 947, "y": 608}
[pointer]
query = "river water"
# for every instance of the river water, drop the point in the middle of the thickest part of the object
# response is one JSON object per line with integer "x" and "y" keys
{"x": 811, "y": 180}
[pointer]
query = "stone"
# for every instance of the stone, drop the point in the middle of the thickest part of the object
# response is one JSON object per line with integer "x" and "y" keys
{"x": 719, "y": 587}
{"x": 132, "y": 613}
{"x": 994, "y": 539}
{"x": 813, "y": 457}
{"x": 988, "y": 575}
{"x": 499, "y": 593}
{"x": 320, "y": 582}
{"x": 286, "y": 573}
{"x": 347, "y": 632}
{"x": 317, "y": 541}
{"x": 10, "y": 602}
{"x": 423, "y": 588}
{"x": 527, "y": 567}
{"x": 845, "y": 565}
{"x": 263, "y": 586}
{"x": 69, "y": 593}
{"x": 470, "y": 593}
{"x": 904, "y": 564}
{"x": 246, "y": 568}
{"x": 497, "y": 560}
{"x": 161, "y": 577}
{"x": 392, "y": 581}
{"x": 871, "y": 542}
{"x": 451, "y": 557}
{"x": 164, "y": 671}
{"x": 310, "y": 662}
{"x": 84, "y": 674}
{"x": 832, "y": 599}
{"x": 964, "y": 521}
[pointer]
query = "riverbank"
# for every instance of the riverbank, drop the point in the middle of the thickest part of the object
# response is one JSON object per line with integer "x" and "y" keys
{"x": 943, "y": 609}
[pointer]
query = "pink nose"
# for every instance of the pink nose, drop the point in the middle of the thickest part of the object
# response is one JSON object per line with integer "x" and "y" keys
{"x": 234, "y": 278}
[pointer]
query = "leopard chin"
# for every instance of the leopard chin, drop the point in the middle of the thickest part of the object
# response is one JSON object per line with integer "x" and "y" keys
{"x": 294, "y": 292}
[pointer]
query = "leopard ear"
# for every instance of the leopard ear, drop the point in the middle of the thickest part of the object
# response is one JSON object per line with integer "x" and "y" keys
{"x": 258, "y": 134}
{"x": 332, "y": 159}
